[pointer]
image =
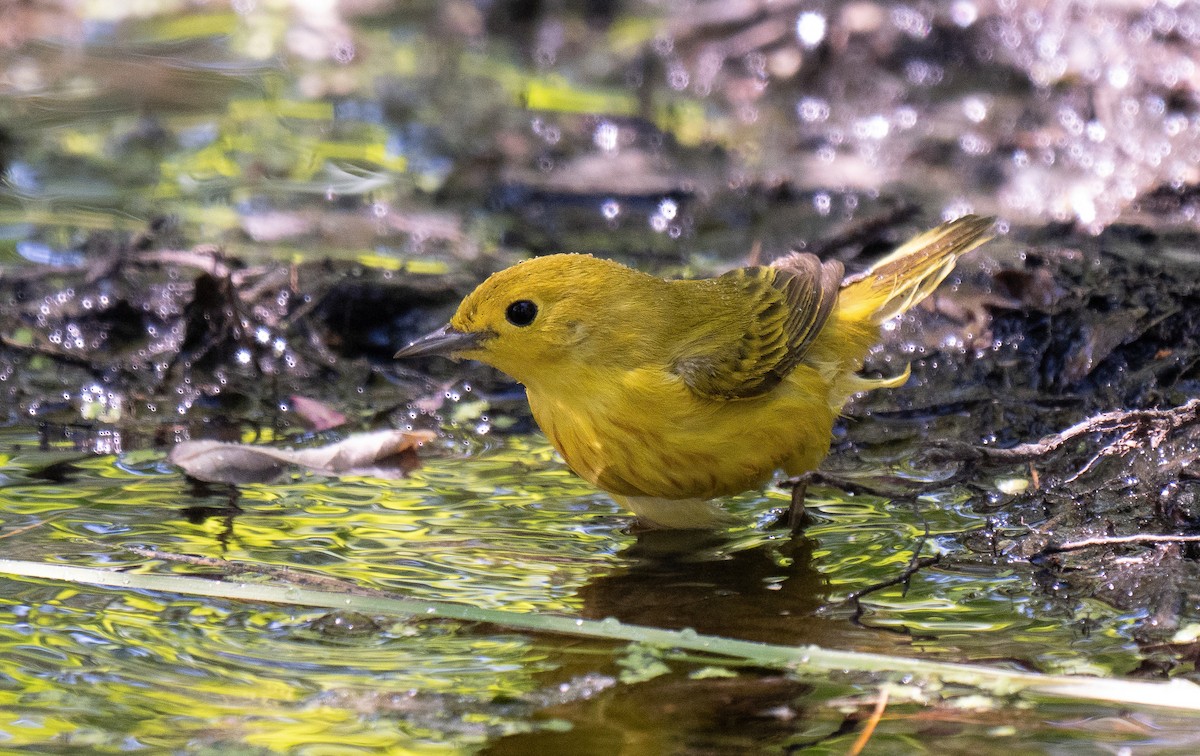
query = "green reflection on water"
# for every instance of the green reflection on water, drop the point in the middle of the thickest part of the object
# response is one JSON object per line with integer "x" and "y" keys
{"x": 96, "y": 669}
{"x": 508, "y": 526}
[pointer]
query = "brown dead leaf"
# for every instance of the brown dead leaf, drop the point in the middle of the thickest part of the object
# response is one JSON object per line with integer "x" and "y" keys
{"x": 381, "y": 454}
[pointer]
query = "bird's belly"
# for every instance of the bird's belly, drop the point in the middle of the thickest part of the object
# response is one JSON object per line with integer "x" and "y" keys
{"x": 677, "y": 446}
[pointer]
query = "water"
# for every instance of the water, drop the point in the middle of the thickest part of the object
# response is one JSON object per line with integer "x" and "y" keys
{"x": 420, "y": 147}
{"x": 101, "y": 668}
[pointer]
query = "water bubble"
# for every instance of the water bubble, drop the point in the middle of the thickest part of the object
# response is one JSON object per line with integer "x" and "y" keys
{"x": 873, "y": 127}
{"x": 344, "y": 52}
{"x": 1175, "y": 124}
{"x": 812, "y": 110}
{"x": 1083, "y": 203}
{"x": 677, "y": 76}
{"x": 974, "y": 144}
{"x": 810, "y": 28}
{"x": 610, "y": 209}
{"x": 975, "y": 109}
{"x": 922, "y": 73}
{"x": 963, "y": 13}
{"x": 911, "y": 21}
{"x": 606, "y": 136}
{"x": 822, "y": 202}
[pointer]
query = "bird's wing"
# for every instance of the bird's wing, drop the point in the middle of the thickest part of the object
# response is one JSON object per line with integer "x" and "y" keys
{"x": 780, "y": 310}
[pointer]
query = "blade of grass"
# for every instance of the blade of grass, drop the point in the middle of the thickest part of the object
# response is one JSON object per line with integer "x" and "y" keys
{"x": 807, "y": 660}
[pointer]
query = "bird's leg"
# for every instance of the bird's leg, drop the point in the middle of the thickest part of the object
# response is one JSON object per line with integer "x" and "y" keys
{"x": 797, "y": 516}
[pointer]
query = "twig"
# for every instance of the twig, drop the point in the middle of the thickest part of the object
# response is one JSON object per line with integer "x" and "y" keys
{"x": 1087, "y": 543}
{"x": 864, "y": 737}
{"x": 26, "y": 528}
{"x": 1156, "y": 423}
{"x": 205, "y": 257}
{"x": 914, "y": 566}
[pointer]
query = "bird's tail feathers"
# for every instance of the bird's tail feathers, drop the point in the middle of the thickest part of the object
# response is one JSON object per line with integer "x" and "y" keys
{"x": 849, "y": 384}
{"x": 908, "y": 275}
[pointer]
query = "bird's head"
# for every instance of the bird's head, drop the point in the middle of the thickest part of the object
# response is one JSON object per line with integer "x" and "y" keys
{"x": 535, "y": 317}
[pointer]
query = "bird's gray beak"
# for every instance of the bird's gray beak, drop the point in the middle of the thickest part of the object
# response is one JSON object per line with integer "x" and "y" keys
{"x": 445, "y": 341}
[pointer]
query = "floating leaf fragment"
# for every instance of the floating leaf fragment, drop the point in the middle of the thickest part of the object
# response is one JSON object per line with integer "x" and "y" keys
{"x": 382, "y": 454}
{"x": 317, "y": 414}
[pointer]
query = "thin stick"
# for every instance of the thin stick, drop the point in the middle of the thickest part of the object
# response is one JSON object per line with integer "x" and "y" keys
{"x": 915, "y": 565}
{"x": 1158, "y": 421}
{"x": 1088, "y": 543}
{"x": 27, "y": 528}
{"x": 877, "y": 714}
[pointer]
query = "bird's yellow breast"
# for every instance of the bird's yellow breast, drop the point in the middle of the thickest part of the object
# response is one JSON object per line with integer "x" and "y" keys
{"x": 644, "y": 433}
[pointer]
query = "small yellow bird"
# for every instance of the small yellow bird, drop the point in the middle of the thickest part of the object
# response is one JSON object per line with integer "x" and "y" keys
{"x": 667, "y": 394}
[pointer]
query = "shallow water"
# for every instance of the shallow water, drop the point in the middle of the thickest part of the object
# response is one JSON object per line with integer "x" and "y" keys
{"x": 506, "y": 528}
{"x": 447, "y": 139}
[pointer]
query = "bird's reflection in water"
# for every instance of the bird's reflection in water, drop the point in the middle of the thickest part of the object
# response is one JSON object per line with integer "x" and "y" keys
{"x": 699, "y": 579}
{"x": 693, "y": 578}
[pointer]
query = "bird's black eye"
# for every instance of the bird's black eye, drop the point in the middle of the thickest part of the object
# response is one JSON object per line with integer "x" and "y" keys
{"x": 521, "y": 313}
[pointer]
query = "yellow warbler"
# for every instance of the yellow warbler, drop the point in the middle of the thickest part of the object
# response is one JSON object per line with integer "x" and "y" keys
{"x": 669, "y": 393}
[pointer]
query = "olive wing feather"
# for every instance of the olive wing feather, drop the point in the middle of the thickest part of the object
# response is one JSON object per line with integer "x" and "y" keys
{"x": 779, "y": 310}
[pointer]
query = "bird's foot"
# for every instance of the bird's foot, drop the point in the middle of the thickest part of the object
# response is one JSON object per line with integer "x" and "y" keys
{"x": 796, "y": 518}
